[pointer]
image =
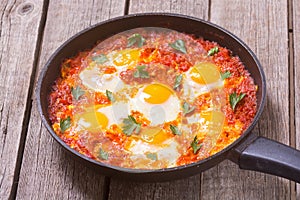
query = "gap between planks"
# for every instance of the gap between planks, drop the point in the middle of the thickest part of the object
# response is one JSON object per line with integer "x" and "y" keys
{"x": 291, "y": 88}
{"x": 126, "y": 8}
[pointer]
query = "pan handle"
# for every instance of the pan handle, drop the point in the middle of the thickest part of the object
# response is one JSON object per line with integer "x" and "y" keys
{"x": 269, "y": 156}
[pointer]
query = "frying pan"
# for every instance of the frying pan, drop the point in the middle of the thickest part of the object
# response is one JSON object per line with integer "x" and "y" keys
{"x": 249, "y": 151}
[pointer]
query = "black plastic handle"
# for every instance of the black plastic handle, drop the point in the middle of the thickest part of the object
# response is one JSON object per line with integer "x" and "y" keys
{"x": 271, "y": 157}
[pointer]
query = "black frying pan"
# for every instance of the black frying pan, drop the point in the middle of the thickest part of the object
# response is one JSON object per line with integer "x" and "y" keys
{"x": 249, "y": 151}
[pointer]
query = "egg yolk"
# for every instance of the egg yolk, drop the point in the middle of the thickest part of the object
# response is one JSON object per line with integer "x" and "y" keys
{"x": 155, "y": 135}
{"x": 126, "y": 57}
{"x": 157, "y": 93}
{"x": 93, "y": 121}
{"x": 205, "y": 73}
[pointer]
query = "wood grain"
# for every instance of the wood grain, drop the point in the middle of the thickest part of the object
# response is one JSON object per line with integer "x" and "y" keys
{"x": 47, "y": 172}
{"x": 259, "y": 25}
{"x": 182, "y": 189}
{"x": 296, "y": 59}
{"x": 19, "y": 24}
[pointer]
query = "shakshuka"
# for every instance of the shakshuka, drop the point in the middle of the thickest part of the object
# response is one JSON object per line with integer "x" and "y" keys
{"x": 152, "y": 98}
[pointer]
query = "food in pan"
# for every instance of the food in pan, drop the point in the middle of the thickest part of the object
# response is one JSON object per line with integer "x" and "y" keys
{"x": 152, "y": 98}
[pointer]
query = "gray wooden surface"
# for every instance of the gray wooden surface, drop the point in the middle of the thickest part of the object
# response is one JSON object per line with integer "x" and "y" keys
{"x": 33, "y": 166}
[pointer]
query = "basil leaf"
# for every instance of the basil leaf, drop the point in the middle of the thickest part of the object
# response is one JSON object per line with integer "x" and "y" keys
{"x": 100, "y": 59}
{"x": 178, "y": 81}
{"x": 77, "y": 92}
{"x": 130, "y": 126}
{"x": 110, "y": 96}
{"x": 179, "y": 46}
{"x": 65, "y": 124}
{"x": 195, "y": 145}
{"x": 175, "y": 130}
{"x": 187, "y": 108}
{"x": 234, "y": 99}
{"x": 103, "y": 154}
{"x": 141, "y": 73}
{"x": 213, "y": 51}
{"x": 225, "y": 75}
{"x": 135, "y": 39}
{"x": 152, "y": 156}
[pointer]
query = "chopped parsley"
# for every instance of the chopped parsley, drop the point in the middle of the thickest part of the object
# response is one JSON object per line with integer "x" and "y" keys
{"x": 103, "y": 154}
{"x": 110, "y": 96}
{"x": 130, "y": 126}
{"x": 135, "y": 39}
{"x": 213, "y": 51}
{"x": 141, "y": 72}
{"x": 77, "y": 92}
{"x": 178, "y": 81}
{"x": 234, "y": 99}
{"x": 100, "y": 59}
{"x": 225, "y": 75}
{"x": 152, "y": 156}
{"x": 65, "y": 124}
{"x": 195, "y": 145}
{"x": 175, "y": 130}
{"x": 187, "y": 108}
{"x": 179, "y": 46}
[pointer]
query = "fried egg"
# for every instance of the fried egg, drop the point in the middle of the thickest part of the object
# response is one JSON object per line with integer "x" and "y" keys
{"x": 157, "y": 102}
{"x": 99, "y": 80}
{"x": 97, "y": 118}
{"x": 166, "y": 151}
{"x": 201, "y": 78}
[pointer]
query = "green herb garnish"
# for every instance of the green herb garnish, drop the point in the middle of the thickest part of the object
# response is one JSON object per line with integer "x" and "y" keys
{"x": 178, "y": 80}
{"x": 195, "y": 145}
{"x": 152, "y": 156}
{"x": 100, "y": 59}
{"x": 65, "y": 124}
{"x": 77, "y": 92}
{"x": 179, "y": 45}
{"x": 135, "y": 39}
{"x": 130, "y": 126}
{"x": 141, "y": 72}
{"x": 175, "y": 130}
{"x": 103, "y": 154}
{"x": 187, "y": 108}
{"x": 234, "y": 99}
{"x": 110, "y": 96}
{"x": 225, "y": 75}
{"x": 213, "y": 51}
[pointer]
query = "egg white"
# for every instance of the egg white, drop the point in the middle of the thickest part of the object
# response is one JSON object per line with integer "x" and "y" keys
{"x": 93, "y": 79}
{"x": 168, "y": 151}
{"x": 156, "y": 113}
{"x": 115, "y": 112}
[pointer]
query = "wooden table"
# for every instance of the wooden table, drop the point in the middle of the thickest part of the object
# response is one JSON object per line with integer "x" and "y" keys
{"x": 34, "y": 166}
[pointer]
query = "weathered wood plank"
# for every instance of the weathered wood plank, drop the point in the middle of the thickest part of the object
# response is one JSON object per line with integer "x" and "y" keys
{"x": 195, "y": 8}
{"x": 47, "y": 172}
{"x": 19, "y": 25}
{"x": 296, "y": 43}
{"x": 181, "y": 189}
{"x": 259, "y": 25}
